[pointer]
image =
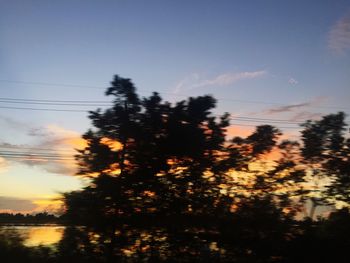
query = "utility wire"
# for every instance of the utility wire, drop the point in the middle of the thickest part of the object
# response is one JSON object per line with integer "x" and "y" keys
{"x": 49, "y": 84}
{"x": 232, "y": 118}
{"x": 19, "y": 147}
{"x": 238, "y": 118}
{"x": 265, "y": 119}
{"x": 86, "y": 103}
{"x": 167, "y": 93}
{"x": 35, "y": 149}
{"x": 48, "y": 155}
{"x": 68, "y": 101}
{"x": 87, "y": 110}
{"x": 54, "y": 104}
{"x": 251, "y": 125}
{"x": 42, "y": 109}
{"x": 104, "y": 103}
{"x": 27, "y": 156}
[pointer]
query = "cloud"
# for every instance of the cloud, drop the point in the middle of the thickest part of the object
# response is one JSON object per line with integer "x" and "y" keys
{"x": 11, "y": 204}
{"x": 3, "y": 165}
{"x": 49, "y": 204}
{"x": 11, "y": 123}
{"x": 339, "y": 35}
{"x": 52, "y": 205}
{"x": 293, "y": 81}
{"x": 40, "y": 132}
{"x": 293, "y": 107}
{"x": 62, "y": 143}
{"x": 196, "y": 81}
{"x": 305, "y": 115}
{"x": 287, "y": 108}
{"x": 51, "y": 141}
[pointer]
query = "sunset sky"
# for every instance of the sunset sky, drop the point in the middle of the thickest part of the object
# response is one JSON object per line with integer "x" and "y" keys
{"x": 283, "y": 60}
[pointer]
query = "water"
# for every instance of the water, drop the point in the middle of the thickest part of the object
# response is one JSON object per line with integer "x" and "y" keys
{"x": 46, "y": 235}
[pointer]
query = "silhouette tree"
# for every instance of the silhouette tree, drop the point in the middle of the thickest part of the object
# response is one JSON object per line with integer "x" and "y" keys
{"x": 326, "y": 157}
{"x": 165, "y": 184}
{"x": 153, "y": 166}
{"x": 265, "y": 169}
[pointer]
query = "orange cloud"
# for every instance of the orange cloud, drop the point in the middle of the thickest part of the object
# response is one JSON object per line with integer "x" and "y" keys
{"x": 62, "y": 143}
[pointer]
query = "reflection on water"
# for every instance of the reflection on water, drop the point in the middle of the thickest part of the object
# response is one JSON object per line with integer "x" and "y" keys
{"x": 38, "y": 235}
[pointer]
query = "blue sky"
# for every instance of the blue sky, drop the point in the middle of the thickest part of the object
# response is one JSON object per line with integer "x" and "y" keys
{"x": 294, "y": 54}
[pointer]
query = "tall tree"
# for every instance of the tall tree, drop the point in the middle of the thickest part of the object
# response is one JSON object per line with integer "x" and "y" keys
{"x": 326, "y": 155}
{"x": 152, "y": 165}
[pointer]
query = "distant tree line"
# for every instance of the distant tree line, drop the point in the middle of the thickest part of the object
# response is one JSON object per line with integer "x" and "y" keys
{"x": 167, "y": 184}
{"x": 19, "y": 218}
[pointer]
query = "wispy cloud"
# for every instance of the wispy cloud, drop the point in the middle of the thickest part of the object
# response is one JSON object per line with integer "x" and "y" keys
{"x": 53, "y": 141}
{"x": 293, "y": 81}
{"x": 195, "y": 81}
{"x": 295, "y": 107}
{"x": 305, "y": 115}
{"x": 287, "y": 108}
{"x": 339, "y": 35}
{"x": 40, "y": 132}
{"x": 50, "y": 140}
{"x": 13, "y": 124}
{"x": 61, "y": 143}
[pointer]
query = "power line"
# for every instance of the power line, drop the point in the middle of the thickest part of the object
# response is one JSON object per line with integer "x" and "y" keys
{"x": 74, "y": 110}
{"x": 167, "y": 93}
{"x": 42, "y": 109}
{"x": 29, "y": 156}
{"x": 23, "y": 158}
{"x": 49, "y": 156}
{"x": 56, "y": 101}
{"x": 86, "y": 103}
{"x": 54, "y": 104}
{"x": 36, "y": 149}
{"x": 49, "y": 84}
{"x": 99, "y": 103}
{"x": 251, "y": 125}
{"x": 265, "y": 119}
{"x": 262, "y": 120}
{"x": 85, "y": 111}
{"x": 256, "y": 120}
{"x": 53, "y": 155}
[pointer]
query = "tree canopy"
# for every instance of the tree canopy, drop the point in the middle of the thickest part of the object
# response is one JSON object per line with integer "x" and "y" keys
{"x": 166, "y": 181}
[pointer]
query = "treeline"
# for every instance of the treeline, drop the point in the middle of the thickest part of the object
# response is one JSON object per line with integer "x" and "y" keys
{"x": 39, "y": 218}
{"x": 167, "y": 183}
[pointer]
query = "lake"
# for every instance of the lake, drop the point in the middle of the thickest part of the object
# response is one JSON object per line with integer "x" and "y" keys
{"x": 34, "y": 235}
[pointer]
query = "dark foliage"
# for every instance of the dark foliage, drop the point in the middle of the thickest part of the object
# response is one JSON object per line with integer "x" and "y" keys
{"x": 166, "y": 184}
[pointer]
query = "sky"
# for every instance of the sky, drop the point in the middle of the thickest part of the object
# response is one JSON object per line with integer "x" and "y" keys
{"x": 284, "y": 60}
